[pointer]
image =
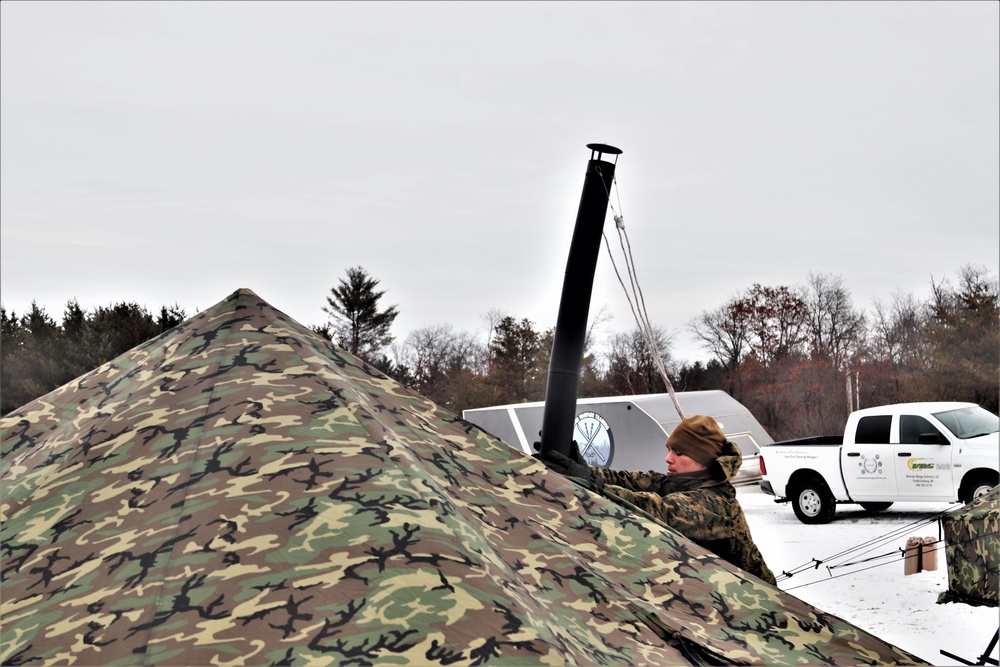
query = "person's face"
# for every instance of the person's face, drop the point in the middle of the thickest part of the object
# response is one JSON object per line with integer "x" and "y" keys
{"x": 681, "y": 463}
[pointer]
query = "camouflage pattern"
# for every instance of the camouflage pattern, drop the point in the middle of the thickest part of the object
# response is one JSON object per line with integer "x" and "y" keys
{"x": 972, "y": 548}
{"x": 708, "y": 514}
{"x": 240, "y": 491}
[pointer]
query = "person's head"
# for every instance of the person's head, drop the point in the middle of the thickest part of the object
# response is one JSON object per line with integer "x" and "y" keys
{"x": 694, "y": 444}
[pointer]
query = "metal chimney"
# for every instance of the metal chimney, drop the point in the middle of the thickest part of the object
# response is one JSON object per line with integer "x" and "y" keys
{"x": 574, "y": 304}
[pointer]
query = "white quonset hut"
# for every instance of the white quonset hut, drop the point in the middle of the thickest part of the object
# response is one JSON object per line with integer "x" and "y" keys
{"x": 629, "y": 432}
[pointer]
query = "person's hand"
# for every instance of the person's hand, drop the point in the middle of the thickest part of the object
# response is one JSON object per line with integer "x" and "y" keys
{"x": 577, "y": 456}
{"x": 552, "y": 463}
{"x": 572, "y": 468}
{"x": 548, "y": 454}
{"x": 564, "y": 465}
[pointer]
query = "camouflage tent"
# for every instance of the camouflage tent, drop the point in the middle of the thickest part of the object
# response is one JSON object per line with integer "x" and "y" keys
{"x": 239, "y": 491}
{"x": 972, "y": 548}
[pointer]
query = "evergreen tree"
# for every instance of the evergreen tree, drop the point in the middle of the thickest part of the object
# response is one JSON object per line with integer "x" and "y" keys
{"x": 118, "y": 328}
{"x": 170, "y": 317}
{"x": 33, "y": 367}
{"x": 12, "y": 338}
{"x": 517, "y": 364}
{"x": 38, "y": 355}
{"x": 359, "y": 326}
{"x": 75, "y": 355}
{"x": 701, "y": 377}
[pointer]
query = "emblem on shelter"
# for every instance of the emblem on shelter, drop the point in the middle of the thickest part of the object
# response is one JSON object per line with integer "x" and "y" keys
{"x": 593, "y": 436}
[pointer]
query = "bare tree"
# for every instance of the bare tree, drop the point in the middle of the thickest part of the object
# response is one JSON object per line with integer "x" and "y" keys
{"x": 777, "y": 319}
{"x": 767, "y": 323}
{"x": 896, "y": 333}
{"x": 724, "y": 332}
{"x": 434, "y": 356}
{"x": 492, "y": 318}
{"x": 963, "y": 340}
{"x": 631, "y": 366}
{"x": 836, "y": 328}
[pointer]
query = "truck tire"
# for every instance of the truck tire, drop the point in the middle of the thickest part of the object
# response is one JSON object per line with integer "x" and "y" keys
{"x": 875, "y": 507}
{"x": 977, "y": 486}
{"x": 813, "y": 502}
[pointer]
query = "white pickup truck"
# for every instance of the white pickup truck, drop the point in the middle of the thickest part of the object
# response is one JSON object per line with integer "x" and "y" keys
{"x": 905, "y": 452}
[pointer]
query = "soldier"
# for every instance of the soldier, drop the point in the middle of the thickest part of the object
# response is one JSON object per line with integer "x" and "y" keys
{"x": 695, "y": 497}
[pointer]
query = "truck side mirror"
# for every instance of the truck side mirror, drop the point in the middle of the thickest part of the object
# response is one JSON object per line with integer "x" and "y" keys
{"x": 933, "y": 439}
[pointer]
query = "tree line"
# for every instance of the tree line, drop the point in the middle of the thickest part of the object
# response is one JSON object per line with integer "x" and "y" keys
{"x": 38, "y": 355}
{"x": 800, "y": 358}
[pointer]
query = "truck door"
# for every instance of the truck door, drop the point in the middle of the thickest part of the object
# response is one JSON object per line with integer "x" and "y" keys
{"x": 868, "y": 463}
{"x": 923, "y": 461}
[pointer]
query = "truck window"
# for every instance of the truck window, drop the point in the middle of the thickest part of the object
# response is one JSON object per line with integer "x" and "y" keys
{"x": 873, "y": 430}
{"x": 969, "y": 422}
{"x": 911, "y": 426}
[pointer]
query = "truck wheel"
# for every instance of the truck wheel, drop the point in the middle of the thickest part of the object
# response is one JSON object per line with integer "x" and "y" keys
{"x": 875, "y": 507}
{"x": 978, "y": 486}
{"x": 813, "y": 502}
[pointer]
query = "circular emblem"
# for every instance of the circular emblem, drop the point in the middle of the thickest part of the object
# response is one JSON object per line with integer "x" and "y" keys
{"x": 593, "y": 436}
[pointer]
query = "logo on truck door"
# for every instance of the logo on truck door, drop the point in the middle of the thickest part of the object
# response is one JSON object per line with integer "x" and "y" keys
{"x": 593, "y": 436}
{"x": 871, "y": 465}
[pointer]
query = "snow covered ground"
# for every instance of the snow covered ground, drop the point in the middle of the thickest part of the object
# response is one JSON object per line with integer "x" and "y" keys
{"x": 874, "y": 594}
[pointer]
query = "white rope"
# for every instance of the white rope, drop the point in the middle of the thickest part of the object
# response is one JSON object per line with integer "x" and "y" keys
{"x": 639, "y": 312}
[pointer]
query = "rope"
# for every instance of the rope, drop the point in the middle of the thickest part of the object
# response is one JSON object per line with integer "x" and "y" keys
{"x": 870, "y": 545}
{"x": 896, "y": 553}
{"x": 638, "y": 308}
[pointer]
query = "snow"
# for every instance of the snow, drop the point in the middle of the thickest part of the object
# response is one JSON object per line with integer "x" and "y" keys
{"x": 874, "y": 595}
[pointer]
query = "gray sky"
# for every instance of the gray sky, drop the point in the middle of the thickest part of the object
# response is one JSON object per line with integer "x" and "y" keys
{"x": 173, "y": 152}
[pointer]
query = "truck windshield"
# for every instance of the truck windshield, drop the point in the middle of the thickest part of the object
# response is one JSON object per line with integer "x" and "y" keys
{"x": 969, "y": 422}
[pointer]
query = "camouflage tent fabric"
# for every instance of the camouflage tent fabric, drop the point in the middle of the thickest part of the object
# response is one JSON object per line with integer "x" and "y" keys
{"x": 972, "y": 548}
{"x": 239, "y": 491}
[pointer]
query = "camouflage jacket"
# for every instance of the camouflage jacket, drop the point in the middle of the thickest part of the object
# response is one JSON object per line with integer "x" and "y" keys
{"x": 707, "y": 514}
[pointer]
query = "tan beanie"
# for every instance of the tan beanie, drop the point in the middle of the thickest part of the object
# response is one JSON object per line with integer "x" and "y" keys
{"x": 698, "y": 437}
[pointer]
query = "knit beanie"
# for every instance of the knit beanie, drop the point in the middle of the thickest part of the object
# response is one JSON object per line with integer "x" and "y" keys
{"x": 698, "y": 437}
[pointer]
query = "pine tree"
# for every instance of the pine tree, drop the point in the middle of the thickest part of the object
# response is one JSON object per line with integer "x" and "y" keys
{"x": 517, "y": 369}
{"x": 359, "y": 326}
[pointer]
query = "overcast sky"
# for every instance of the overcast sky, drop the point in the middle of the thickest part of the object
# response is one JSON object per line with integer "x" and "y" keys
{"x": 174, "y": 152}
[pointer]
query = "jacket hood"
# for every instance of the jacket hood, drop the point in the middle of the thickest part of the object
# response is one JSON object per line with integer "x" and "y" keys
{"x": 730, "y": 460}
